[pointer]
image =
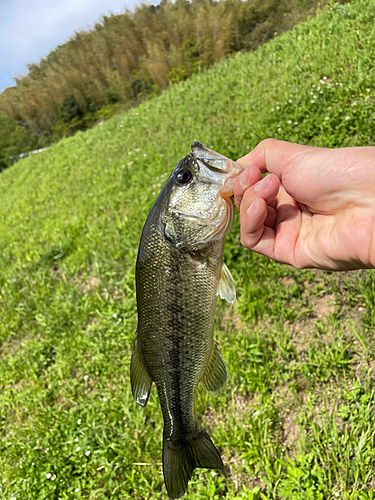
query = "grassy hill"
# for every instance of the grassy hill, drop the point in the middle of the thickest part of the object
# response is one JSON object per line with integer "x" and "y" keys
{"x": 296, "y": 419}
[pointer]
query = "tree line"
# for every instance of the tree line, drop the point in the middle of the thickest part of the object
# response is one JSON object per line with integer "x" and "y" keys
{"x": 126, "y": 58}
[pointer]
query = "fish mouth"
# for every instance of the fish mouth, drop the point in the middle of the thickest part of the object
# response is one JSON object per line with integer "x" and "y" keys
{"x": 216, "y": 168}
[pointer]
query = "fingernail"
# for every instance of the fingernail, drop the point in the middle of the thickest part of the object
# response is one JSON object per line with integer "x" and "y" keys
{"x": 263, "y": 184}
{"x": 252, "y": 207}
{"x": 242, "y": 179}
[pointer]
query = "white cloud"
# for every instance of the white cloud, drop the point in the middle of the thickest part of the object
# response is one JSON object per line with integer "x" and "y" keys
{"x": 29, "y": 30}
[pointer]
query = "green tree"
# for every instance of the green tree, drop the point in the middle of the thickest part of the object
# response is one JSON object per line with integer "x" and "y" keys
{"x": 14, "y": 140}
{"x": 125, "y": 58}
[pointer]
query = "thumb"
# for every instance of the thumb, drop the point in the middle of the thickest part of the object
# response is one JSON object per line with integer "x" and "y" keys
{"x": 272, "y": 155}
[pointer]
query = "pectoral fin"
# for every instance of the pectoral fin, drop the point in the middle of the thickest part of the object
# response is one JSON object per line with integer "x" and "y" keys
{"x": 215, "y": 375}
{"x": 227, "y": 288}
{"x": 139, "y": 377}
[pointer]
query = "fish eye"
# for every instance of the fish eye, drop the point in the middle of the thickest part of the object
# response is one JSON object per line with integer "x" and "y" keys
{"x": 183, "y": 176}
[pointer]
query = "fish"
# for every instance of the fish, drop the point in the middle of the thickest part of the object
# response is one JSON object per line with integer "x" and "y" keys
{"x": 179, "y": 274}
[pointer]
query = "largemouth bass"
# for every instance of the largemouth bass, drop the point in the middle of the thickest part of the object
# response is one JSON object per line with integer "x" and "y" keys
{"x": 179, "y": 273}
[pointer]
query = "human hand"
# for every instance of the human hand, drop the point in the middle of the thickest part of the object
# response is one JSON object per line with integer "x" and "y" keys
{"x": 316, "y": 208}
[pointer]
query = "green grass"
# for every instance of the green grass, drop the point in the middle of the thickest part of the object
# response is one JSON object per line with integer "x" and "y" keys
{"x": 296, "y": 418}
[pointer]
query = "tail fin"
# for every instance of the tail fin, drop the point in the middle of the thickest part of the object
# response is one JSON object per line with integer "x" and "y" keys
{"x": 179, "y": 462}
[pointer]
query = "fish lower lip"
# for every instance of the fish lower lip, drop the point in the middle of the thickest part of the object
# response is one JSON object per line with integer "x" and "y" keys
{"x": 228, "y": 185}
{"x": 227, "y": 192}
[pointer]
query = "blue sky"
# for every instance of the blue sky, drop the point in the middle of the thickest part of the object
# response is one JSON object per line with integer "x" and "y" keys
{"x": 30, "y": 29}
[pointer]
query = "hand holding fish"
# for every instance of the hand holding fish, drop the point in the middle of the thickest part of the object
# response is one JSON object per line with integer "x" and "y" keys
{"x": 315, "y": 209}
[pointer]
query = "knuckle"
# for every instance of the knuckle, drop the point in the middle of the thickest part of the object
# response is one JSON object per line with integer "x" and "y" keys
{"x": 244, "y": 241}
{"x": 249, "y": 240}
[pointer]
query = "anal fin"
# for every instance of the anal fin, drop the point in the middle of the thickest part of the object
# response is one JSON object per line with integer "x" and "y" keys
{"x": 227, "y": 288}
{"x": 215, "y": 375}
{"x": 139, "y": 377}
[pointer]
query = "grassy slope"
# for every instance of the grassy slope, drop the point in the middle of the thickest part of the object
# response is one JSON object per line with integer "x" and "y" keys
{"x": 296, "y": 419}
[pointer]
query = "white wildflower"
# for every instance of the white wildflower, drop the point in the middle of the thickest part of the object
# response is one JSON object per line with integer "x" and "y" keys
{"x": 290, "y": 101}
{"x": 53, "y": 477}
{"x": 289, "y": 122}
{"x": 327, "y": 117}
{"x": 367, "y": 90}
{"x": 76, "y": 490}
{"x": 86, "y": 377}
{"x": 78, "y": 448}
{"x": 48, "y": 475}
{"x": 79, "y": 421}
{"x": 277, "y": 107}
{"x": 130, "y": 163}
{"x": 347, "y": 118}
{"x": 87, "y": 453}
{"x": 312, "y": 101}
{"x": 272, "y": 110}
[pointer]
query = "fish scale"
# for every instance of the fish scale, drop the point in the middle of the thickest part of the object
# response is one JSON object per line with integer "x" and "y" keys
{"x": 174, "y": 324}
